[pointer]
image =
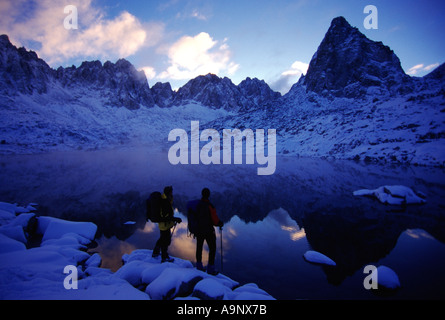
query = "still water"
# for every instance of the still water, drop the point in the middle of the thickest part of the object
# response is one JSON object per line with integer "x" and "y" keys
{"x": 270, "y": 221}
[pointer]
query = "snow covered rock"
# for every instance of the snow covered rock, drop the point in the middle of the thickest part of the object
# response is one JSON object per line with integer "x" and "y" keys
{"x": 8, "y": 207}
{"x": 250, "y": 291}
{"x": 6, "y": 216}
{"x": 210, "y": 289}
{"x": 104, "y": 286}
{"x": 94, "y": 261}
{"x": 14, "y": 232}
{"x": 14, "y": 208}
{"x": 132, "y": 272}
{"x": 150, "y": 274}
{"x": 386, "y": 277}
{"x": 179, "y": 280}
{"x": 173, "y": 282}
{"x": 43, "y": 223}
{"x": 24, "y": 220}
{"x": 57, "y": 228}
{"x": 40, "y": 272}
{"x": 8, "y": 244}
{"x": 317, "y": 257}
{"x": 394, "y": 195}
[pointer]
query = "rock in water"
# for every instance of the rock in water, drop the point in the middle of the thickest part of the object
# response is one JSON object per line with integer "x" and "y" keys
{"x": 317, "y": 257}
{"x": 387, "y": 278}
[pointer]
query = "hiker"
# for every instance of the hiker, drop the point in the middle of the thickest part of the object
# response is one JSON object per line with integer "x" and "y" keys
{"x": 168, "y": 221}
{"x": 206, "y": 219}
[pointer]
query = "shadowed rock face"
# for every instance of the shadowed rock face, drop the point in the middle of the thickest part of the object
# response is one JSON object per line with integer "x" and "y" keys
{"x": 347, "y": 63}
{"x": 22, "y": 70}
{"x": 121, "y": 85}
{"x": 216, "y": 92}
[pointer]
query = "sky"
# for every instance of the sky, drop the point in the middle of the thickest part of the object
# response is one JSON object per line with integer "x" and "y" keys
{"x": 177, "y": 40}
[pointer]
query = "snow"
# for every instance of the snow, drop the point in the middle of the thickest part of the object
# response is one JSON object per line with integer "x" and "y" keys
{"x": 39, "y": 273}
{"x": 317, "y": 257}
{"x": 393, "y": 195}
{"x": 171, "y": 283}
{"x": 399, "y": 119}
{"x": 8, "y": 245}
{"x": 6, "y": 215}
{"x": 210, "y": 289}
{"x": 250, "y": 291}
{"x": 387, "y": 277}
{"x": 14, "y": 232}
{"x": 57, "y": 228}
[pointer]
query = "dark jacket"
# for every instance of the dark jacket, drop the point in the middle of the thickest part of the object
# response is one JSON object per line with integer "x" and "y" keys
{"x": 206, "y": 217}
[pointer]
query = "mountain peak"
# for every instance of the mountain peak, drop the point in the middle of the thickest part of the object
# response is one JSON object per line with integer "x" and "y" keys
{"x": 216, "y": 92}
{"x": 437, "y": 74}
{"x": 340, "y": 23}
{"x": 210, "y": 90}
{"x": 347, "y": 63}
{"x": 4, "y": 40}
{"x": 22, "y": 71}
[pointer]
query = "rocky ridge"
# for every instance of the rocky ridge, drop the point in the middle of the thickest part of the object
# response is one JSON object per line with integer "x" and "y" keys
{"x": 355, "y": 102}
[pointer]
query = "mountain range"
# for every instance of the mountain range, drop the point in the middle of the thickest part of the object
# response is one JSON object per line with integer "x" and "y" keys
{"x": 355, "y": 102}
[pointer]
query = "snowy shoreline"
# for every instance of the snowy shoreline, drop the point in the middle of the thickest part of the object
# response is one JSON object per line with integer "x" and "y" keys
{"x": 59, "y": 268}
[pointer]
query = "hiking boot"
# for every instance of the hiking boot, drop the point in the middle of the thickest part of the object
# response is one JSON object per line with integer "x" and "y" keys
{"x": 211, "y": 270}
{"x": 167, "y": 259}
{"x": 155, "y": 254}
{"x": 200, "y": 267}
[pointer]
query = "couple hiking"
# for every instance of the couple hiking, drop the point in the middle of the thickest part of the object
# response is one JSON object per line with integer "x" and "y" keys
{"x": 202, "y": 219}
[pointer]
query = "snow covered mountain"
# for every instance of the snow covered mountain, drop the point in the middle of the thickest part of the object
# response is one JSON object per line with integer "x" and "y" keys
{"x": 120, "y": 83}
{"x": 347, "y": 64}
{"x": 355, "y": 102}
{"x": 21, "y": 70}
{"x": 215, "y": 92}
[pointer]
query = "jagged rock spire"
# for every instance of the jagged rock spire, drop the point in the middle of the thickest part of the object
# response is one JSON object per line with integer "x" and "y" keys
{"x": 347, "y": 63}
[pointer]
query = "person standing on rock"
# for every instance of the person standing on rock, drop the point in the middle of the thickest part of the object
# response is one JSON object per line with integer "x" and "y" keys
{"x": 207, "y": 218}
{"x": 168, "y": 222}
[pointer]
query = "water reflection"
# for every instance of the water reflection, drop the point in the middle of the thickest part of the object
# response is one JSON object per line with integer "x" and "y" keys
{"x": 270, "y": 221}
{"x": 269, "y": 252}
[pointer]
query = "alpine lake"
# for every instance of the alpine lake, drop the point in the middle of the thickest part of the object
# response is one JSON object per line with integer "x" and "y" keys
{"x": 270, "y": 221}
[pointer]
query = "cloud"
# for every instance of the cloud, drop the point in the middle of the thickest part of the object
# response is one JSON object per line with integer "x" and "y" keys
{"x": 199, "y": 15}
{"x": 193, "y": 14}
{"x": 42, "y": 22}
{"x": 190, "y": 57}
{"x": 297, "y": 69}
{"x": 419, "y": 68}
{"x": 150, "y": 72}
{"x": 289, "y": 77}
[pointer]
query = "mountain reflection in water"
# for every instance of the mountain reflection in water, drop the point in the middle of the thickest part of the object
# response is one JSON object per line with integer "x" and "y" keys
{"x": 270, "y": 221}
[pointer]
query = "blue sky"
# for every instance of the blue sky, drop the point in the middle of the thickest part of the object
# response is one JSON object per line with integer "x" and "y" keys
{"x": 176, "y": 40}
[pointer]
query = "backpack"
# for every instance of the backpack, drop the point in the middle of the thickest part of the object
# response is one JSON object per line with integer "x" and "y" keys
{"x": 192, "y": 219}
{"x": 153, "y": 204}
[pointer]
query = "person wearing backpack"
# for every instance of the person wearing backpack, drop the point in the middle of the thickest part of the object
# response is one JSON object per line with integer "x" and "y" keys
{"x": 206, "y": 219}
{"x": 165, "y": 223}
